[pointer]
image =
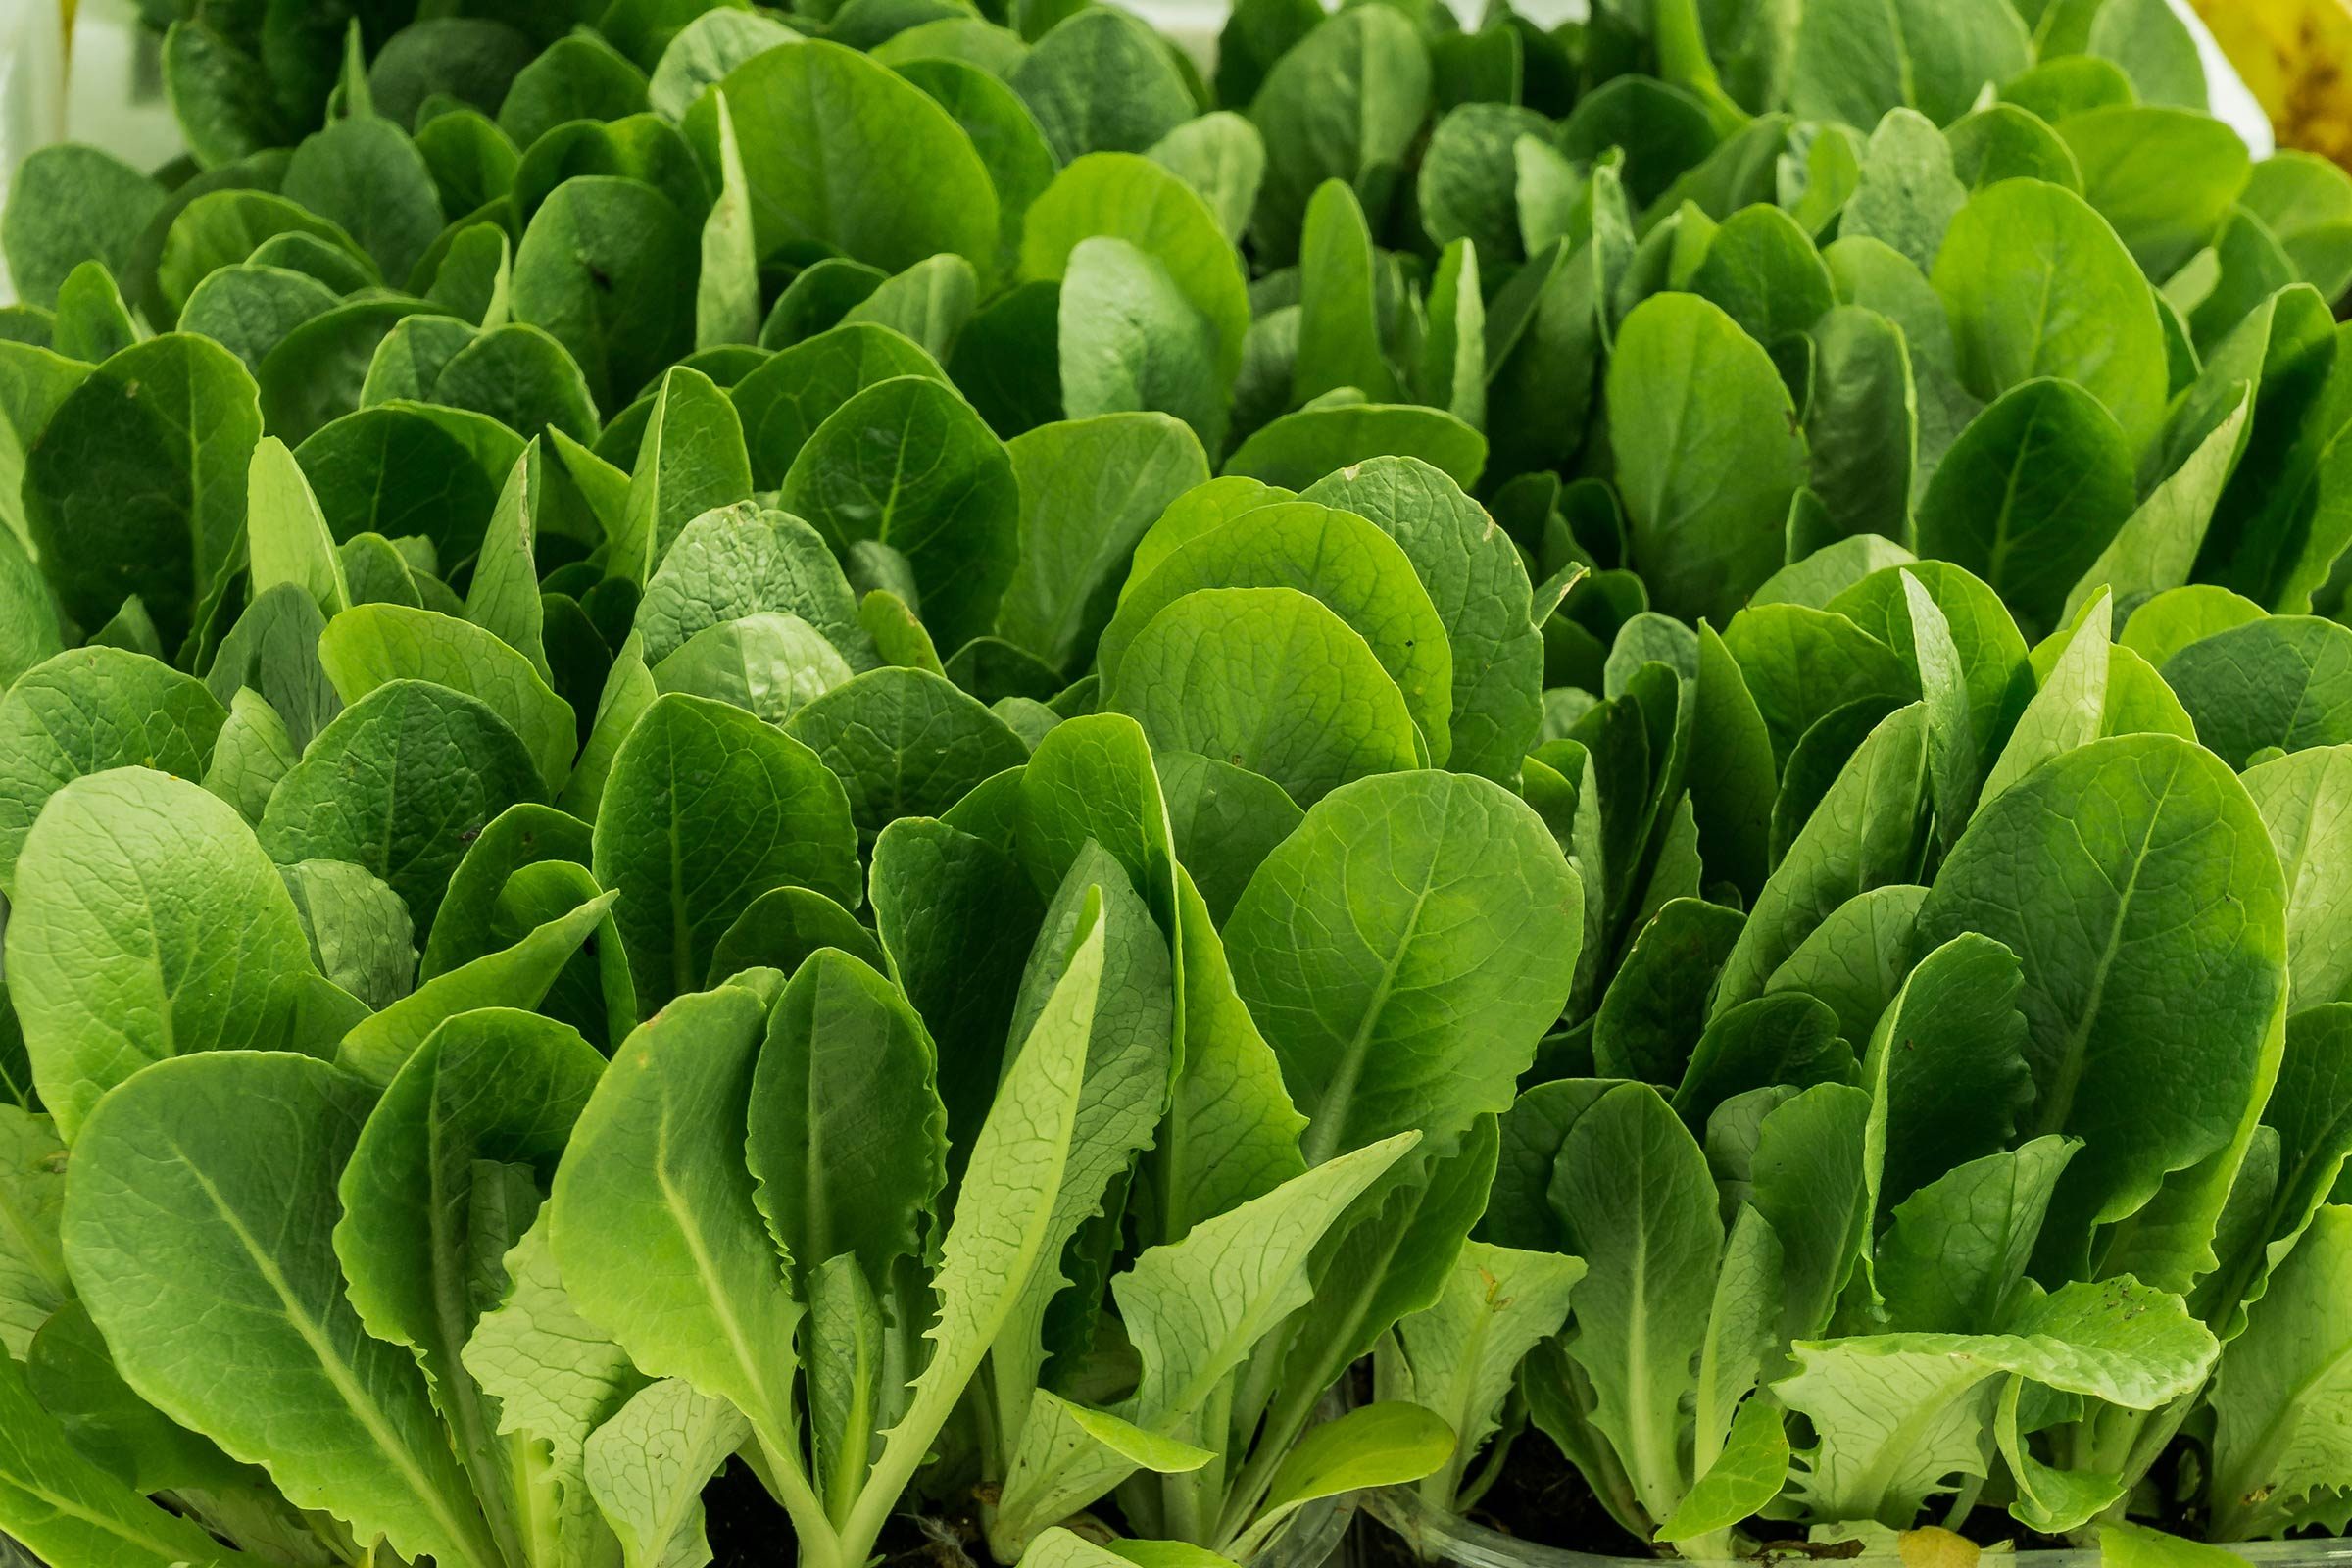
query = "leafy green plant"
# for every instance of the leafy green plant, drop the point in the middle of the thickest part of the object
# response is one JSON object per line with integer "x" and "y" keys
{"x": 886, "y": 748}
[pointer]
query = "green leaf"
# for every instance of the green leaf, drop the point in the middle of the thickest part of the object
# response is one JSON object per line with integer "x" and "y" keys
{"x": 695, "y": 786}
{"x": 519, "y": 976}
{"x": 2069, "y": 709}
{"x": 2149, "y": 939}
{"x": 1860, "y": 837}
{"x": 1350, "y": 565}
{"x": 2298, "y": 797}
{"x": 1634, "y": 1189}
{"x": 2038, "y": 286}
{"x": 137, "y": 484}
{"x": 1957, "y": 1254}
{"x": 1384, "y": 1444}
{"x": 1474, "y": 579}
{"x": 909, "y": 464}
{"x": 2280, "y": 1394}
{"x": 83, "y": 713}
{"x": 398, "y": 783}
{"x": 693, "y": 459}
{"x": 1346, "y": 104}
{"x": 228, "y": 1267}
{"x": 2164, "y": 178}
{"x": 1453, "y": 927}
{"x": 363, "y": 175}
{"x": 403, "y": 470}
{"x": 556, "y": 1378}
{"x": 1708, "y": 454}
{"x": 768, "y": 663}
{"x": 1299, "y": 449}
{"x": 1126, "y": 341}
{"x": 840, "y": 151}
{"x": 1901, "y": 1416}
{"x": 69, "y": 204}
{"x": 903, "y": 743}
{"x": 1854, "y": 62}
{"x": 488, "y": 1091}
{"x": 1461, "y": 1355}
{"x": 705, "y": 50}
{"x": 1745, "y": 1475}
{"x": 370, "y": 646}
{"x": 58, "y": 1504}
{"x": 1101, "y": 81}
{"x": 109, "y": 870}
{"x": 1088, "y": 489}
{"x": 359, "y": 930}
{"x": 695, "y": 1289}
{"x": 599, "y": 269}
{"x": 737, "y": 562}
{"x": 646, "y": 1467}
{"x": 33, "y": 1284}
{"x": 784, "y": 401}
{"x": 1338, "y": 325}
{"x": 2283, "y": 681}
{"x": 1131, "y": 198}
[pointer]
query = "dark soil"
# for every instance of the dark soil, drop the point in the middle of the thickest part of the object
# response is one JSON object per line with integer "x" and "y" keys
{"x": 1541, "y": 1497}
{"x": 747, "y": 1529}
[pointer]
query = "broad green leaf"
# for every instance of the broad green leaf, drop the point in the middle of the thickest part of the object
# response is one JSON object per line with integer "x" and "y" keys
{"x": 1854, "y": 62}
{"x": 2033, "y": 492}
{"x": 695, "y": 786}
{"x": 1125, "y": 196}
{"x": 847, "y": 1136}
{"x": 1474, "y": 577}
{"x": 364, "y": 174}
{"x": 1460, "y": 1355}
{"x": 1898, "y": 1416}
{"x": 33, "y": 1283}
{"x": 1860, "y": 837}
{"x": 906, "y": 463}
{"x": 2299, "y": 796}
{"x": 1707, "y": 450}
{"x": 359, "y": 930}
{"x": 70, "y": 204}
{"x": 1299, "y": 449}
{"x": 2038, "y": 286}
{"x": 138, "y": 483}
{"x": 2283, "y": 681}
{"x": 1744, "y": 1478}
{"x": 768, "y": 663}
{"x": 840, "y": 151}
{"x": 2280, "y": 1393}
{"x": 1101, "y": 81}
{"x": 2068, "y": 711}
{"x": 785, "y": 400}
{"x": 2156, "y": 549}
{"x": 1346, "y": 104}
{"x": 113, "y": 963}
{"x": 489, "y": 1090}
{"x": 1409, "y": 942}
{"x": 402, "y": 469}
{"x": 734, "y": 562}
{"x": 83, "y": 713}
{"x": 903, "y": 743}
{"x": 555, "y": 1379}
{"x": 599, "y": 269}
{"x": 1384, "y": 1444}
{"x": 1126, "y": 340}
{"x": 61, "y": 1504}
{"x": 2164, "y": 178}
{"x": 1952, "y": 1260}
{"x": 1089, "y": 488}
{"x": 1355, "y": 570}
{"x": 399, "y": 783}
{"x": 646, "y": 1467}
{"x": 503, "y": 597}
{"x": 2151, "y": 937}
{"x": 695, "y": 1289}
{"x": 705, "y": 50}
{"x": 370, "y": 646}
{"x": 228, "y": 1268}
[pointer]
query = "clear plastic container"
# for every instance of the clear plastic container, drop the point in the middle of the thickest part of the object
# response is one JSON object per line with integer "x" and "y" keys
{"x": 1440, "y": 1537}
